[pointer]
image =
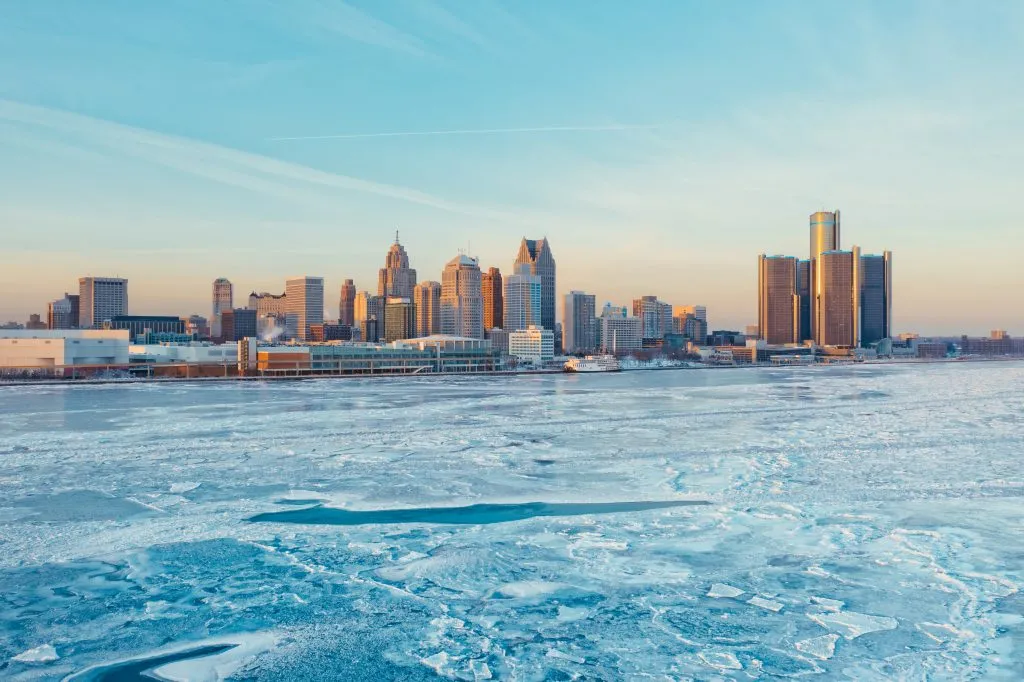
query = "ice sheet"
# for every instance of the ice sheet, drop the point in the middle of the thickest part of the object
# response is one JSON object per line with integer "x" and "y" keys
{"x": 861, "y": 522}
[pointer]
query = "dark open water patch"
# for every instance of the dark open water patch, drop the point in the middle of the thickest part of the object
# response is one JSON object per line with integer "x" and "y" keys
{"x": 137, "y": 670}
{"x": 474, "y": 514}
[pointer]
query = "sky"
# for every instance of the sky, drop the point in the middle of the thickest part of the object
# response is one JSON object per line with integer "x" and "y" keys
{"x": 659, "y": 146}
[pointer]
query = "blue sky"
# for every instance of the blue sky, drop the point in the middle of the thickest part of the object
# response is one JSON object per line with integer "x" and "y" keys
{"x": 660, "y": 146}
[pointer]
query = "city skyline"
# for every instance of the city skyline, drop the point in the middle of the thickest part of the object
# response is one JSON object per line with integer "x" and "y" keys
{"x": 187, "y": 151}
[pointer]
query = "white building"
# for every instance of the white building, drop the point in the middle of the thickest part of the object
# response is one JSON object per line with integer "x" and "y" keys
{"x": 101, "y": 299}
{"x": 58, "y": 348}
{"x": 621, "y": 333}
{"x": 462, "y": 301}
{"x": 197, "y": 353}
{"x": 304, "y": 301}
{"x": 534, "y": 344}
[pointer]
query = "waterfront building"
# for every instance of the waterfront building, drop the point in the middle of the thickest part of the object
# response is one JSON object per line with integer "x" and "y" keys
{"x": 322, "y": 333}
{"x": 462, "y": 309}
{"x": 523, "y": 299}
{"x": 399, "y": 319}
{"x": 537, "y": 254}
{"x": 396, "y": 279}
{"x": 778, "y": 306}
{"x": 61, "y": 351}
{"x": 621, "y": 333}
{"x": 492, "y": 290}
{"x": 100, "y": 299}
{"x": 347, "y": 303}
{"x": 655, "y": 317}
{"x": 237, "y": 324}
{"x": 35, "y": 321}
{"x": 223, "y": 300}
{"x": 304, "y": 303}
{"x": 427, "y": 300}
{"x": 534, "y": 345}
{"x": 579, "y": 323}
{"x": 839, "y": 298}
{"x": 63, "y": 313}
{"x": 876, "y": 298}
{"x": 824, "y": 238}
{"x": 498, "y": 339}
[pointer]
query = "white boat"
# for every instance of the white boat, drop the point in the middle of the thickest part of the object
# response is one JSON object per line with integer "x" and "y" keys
{"x": 593, "y": 363}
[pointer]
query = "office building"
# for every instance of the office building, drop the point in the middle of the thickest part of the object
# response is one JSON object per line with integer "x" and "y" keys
{"x": 267, "y": 304}
{"x": 523, "y": 299}
{"x": 137, "y": 325}
{"x": 63, "y": 313}
{"x": 698, "y": 311}
{"x": 778, "y": 306}
{"x": 321, "y": 333}
{"x": 621, "y": 333}
{"x": 427, "y": 299}
{"x": 399, "y": 319}
{"x": 197, "y": 326}
{"x": 347, "y": 304}
{"x": 876, "y": 298}
{"x": 655, "y": 317}
{"x": 304, "y": 303}
{"x": 462, "y": 305}
{"x": 537, "y": 254}
{"x": 838, "y": 313}
{"x": 494, "y": 299}
{"x": 803, "y": 291}
{"x": 237, "y": 324}
{"x": 579, "y": 323}
{"x": 534, "y": 345}
{"x": 223, "y": 299}
{"x": 35, "y": 321}
{"x": 100, "y": 299}
{"x": 824, "y": 238}
{"x": 369, "y": 316}
{"x": 396, "y": 279}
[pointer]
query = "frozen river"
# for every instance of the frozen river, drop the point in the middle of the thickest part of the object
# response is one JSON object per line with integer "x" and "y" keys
{"x": 834, "y": 523}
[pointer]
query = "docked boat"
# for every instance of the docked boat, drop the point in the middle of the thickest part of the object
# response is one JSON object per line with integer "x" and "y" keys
{"x": 593, "y": 363}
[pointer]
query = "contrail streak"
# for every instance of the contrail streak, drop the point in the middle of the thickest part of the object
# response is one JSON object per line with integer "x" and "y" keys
{"x": 478, "y": 131}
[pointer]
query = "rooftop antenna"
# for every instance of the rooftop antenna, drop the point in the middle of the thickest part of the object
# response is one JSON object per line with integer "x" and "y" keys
{"x": 396, "y": 235}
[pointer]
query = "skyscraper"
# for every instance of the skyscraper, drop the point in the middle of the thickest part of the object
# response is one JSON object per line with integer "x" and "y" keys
{"x": 304, "y": 301}
{"x": 396, "y": 278}
{"x": 399, "y": 319}
{"x": 223, "y": 299}
{"x": 462, "y": 305}
{"x": 63, "y": 313}
{"x": 876, "y": 298}
{"x": 523, "y": 299}
{"x": 427, "y": 299}
{"x": 346, "y": 304}
{"x": 839, "y": 309}
{"x": 579, "y": 322}
{"x": 368, "y": 312}
{"x": 803, "y": 290}
{"x": 824, "y": 237}
{"x": 655, "y": 316}
{"x": 778, "y": 306}
{"x": 537, "y": 254}
{"x": 101, "y": 299}
{"x": 494, "y": 299}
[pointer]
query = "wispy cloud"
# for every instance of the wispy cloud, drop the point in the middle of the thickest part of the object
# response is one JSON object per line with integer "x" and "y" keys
{"x": 340, "y": 19}
{"x": 230, "y": 166}
{"x": 475, "y": 131}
